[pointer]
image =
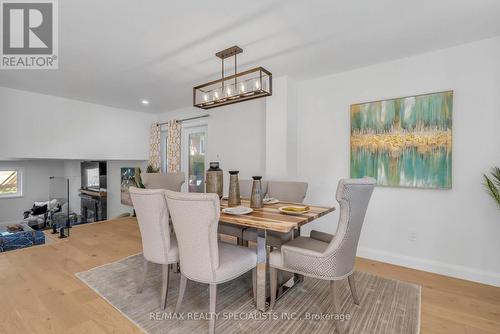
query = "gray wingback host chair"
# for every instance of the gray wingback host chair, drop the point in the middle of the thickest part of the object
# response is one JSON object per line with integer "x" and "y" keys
{"x": 285, "y": 191}
{"x": 324, "y": 256}
{"x": 169, "y": 181}
{"x": 202, "y": 258}
{"x": 158, "y": 244}
{"x": 245, "y": 192}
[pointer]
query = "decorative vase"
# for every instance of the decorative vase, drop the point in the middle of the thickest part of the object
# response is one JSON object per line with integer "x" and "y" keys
{"x": 214, "y": 179}
{"x": 256, "y": 198}
{"x": 234, "y": 189}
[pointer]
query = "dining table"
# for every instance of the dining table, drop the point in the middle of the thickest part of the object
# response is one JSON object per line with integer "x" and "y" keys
{"x": 266, "y": 219}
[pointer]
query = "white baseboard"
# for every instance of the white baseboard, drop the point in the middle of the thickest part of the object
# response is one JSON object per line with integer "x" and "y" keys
{"x": 466, "y": 273}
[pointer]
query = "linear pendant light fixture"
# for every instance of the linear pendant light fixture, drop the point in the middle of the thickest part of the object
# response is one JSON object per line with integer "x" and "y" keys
{"x": 239, "y": 87}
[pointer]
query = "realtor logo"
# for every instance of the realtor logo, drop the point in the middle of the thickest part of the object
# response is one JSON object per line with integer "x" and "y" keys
{"x": 29, "y": 34}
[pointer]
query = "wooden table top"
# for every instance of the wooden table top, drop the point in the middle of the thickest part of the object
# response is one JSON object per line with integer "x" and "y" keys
{"x": 270, "y": 218}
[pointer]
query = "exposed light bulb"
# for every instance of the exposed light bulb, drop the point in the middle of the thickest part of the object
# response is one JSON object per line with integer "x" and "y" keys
{"x": 145, "y": 102}
{"x": 257, "y": 84}
{"x": 216, "y": 95}
{"x": 205, "y": 97}
{"x": 242, "y": 88}
{"x": 228, "y": 91}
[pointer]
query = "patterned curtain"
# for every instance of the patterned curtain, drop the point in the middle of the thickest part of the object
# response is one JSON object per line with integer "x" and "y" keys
{"x": 154, "y": 147}
{"x": 174, "y": 146}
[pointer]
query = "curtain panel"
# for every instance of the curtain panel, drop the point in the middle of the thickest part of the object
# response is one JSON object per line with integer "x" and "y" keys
{"x": 174, "y": 146}
{"x": 154, "y": 147}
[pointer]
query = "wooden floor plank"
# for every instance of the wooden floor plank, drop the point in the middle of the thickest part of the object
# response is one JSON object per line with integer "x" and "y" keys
{"x": 40, "y": 293}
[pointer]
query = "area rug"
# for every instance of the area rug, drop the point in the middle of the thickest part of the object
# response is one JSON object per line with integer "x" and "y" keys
{"x": 387, "y": 306}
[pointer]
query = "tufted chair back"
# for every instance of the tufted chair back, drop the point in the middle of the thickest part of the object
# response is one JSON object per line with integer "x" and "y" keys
{"x": 336, "y": 260}
{"x": 196, "y": 218}
{"x": 353, "y": 196}
{"x": 150, "y": 206}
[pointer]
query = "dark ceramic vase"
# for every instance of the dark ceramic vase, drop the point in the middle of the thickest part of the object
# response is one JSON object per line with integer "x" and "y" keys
{"x": 257, "y": 197}
{"x": 234, "y": 189}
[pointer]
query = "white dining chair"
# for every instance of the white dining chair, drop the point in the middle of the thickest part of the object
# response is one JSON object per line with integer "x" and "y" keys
{"x": 325, "y": 256}
{"x": 246, "y": 188}
{"x": 245, "y": 192}
{"x": 287, "y": 191}
{"x": 159, "y": 245}
{"x": 284, "y": 191}
{"x": 203, "y": 258}
{"x": 169, "y": 181}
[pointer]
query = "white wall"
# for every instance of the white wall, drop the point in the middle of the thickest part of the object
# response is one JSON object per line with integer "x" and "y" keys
{"x": 276, "y": 130}
{"x": 457, "y": 230}
{"x": 36, "y": 175}
{"x": 36, "y": 126}
{"x": 41, "y": 126}
{"x": 281, "y": 130}
{"x": 236, "y": 135}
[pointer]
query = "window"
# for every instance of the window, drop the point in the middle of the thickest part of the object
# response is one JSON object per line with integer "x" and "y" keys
{"x": 11, "y": 182}
{"x": 92, "y": 177}
{"x": 196, "y": 162}
{"x": 164, "y": 150}
{"x": 194, "y": 146}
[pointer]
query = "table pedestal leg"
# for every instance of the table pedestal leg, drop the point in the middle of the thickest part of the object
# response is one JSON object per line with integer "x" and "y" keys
{"x": 261, "y": 270}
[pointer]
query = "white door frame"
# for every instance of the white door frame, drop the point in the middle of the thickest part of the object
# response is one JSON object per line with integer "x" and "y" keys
{"x": 187, "y": 129}
{"x": 163, "y": 150}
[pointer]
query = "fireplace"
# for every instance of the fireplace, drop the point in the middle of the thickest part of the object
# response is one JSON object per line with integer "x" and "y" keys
{"x": 93, "y": 207}
{"x": 93, "y": 192}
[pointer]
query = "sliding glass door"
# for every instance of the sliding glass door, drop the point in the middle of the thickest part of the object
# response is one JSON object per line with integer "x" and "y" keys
{"x": 164, "y": 150}
{"x": 194, "y": 148}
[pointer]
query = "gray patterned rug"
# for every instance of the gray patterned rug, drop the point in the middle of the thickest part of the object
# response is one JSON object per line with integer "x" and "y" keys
{"x": 387, "y": 306}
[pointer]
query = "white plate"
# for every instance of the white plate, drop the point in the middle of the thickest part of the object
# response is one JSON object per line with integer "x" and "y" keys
{"x": 270, "y": 200}
{"x": 292, "y": 213}
{"x": 237, "y": 210}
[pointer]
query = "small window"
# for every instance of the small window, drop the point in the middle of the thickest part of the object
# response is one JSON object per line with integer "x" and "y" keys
{"x": 11, "y": 182}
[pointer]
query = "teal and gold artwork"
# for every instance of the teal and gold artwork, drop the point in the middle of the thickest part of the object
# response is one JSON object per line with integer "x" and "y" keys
{"x": 404, "y": 142}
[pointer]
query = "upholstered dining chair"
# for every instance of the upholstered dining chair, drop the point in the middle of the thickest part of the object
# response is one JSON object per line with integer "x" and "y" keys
{"x": 325, "y": 256}
{"x": 245, "y": 192}
{"x": 158, "y": 243}
{"x": 246, "y": 188}
{"x": 169, "y": 181}
{"x": 202, "y": 257}
{"x": 285, "y": 191}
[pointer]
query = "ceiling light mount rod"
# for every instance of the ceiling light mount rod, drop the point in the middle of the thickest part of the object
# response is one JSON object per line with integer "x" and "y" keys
{"x": 227, "y": 53}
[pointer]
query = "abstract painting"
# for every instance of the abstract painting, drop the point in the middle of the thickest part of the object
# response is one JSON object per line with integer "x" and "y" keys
{"x": 130, "y": 177}
{"x": 404, "y": 142}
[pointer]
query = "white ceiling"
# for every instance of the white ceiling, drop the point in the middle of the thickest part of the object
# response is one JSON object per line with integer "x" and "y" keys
{"x": 118, "y": 52}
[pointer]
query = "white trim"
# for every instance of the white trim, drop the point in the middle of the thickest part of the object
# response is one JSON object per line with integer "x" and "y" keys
{"x": 437, "y": 267}
{"x": 20, "y": 182}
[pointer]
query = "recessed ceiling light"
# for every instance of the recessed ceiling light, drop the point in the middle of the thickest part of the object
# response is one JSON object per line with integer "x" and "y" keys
{"x": 145, "y": 102}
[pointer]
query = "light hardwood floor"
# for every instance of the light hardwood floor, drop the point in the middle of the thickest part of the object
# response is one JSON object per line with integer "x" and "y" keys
{"x": 40, "y": 294}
